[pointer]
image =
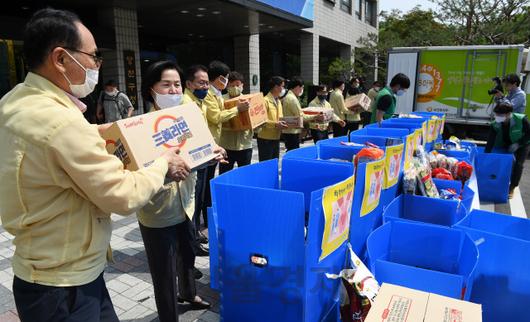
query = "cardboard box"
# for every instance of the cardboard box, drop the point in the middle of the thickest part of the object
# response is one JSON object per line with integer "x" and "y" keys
{"x": 255, "y": 116}
{"x": 294, "y": 122}
{"x": 327, "y": 112}
{"x": 400, "y": 304}
{"x": 358, "y": 103}
{"x": 139, "y": 140}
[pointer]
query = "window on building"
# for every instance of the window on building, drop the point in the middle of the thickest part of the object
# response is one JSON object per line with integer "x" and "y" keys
{"x": 345, "y": 5}
{"x": 371, "y": 12}
{"x": 359, "y": 8}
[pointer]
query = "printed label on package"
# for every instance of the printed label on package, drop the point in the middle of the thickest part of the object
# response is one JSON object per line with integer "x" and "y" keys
{"x": 171, "y": 131}
{"x": 373, "y": 184}
{"x": 393, "y": 157}
{"x": 337, "y": 202}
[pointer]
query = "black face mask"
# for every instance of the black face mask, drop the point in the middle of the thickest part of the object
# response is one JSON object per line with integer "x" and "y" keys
{"x": 322, "y": 97}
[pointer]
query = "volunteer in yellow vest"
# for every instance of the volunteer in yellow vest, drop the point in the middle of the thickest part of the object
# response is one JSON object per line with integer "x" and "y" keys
{"x": 269, "y": 136}
{"x": 165, "y": 222}
{"x": 197, "y": 87}
{"x": 336, "y": 100}
{"x": 59, "y": 183}
{"x": 353, "y": 119}
{"x": 238, "y": 144}
{"x": 511, "y": 131}
{"x": 319, "y": 128}
{"x": 384, "y": 105}
{"x": 291, "y": 107}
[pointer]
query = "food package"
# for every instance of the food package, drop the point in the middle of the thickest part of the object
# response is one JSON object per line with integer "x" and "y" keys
{"x": 442, "y": 173}
{"x": 350, "y": 143}
{"x": 442, "y": 161}
{"x": 409, "y": 181}
{"x": 358, "y": 290}
{"x": 424, "y": 179}
{"x": 453, "y": 143}
{"x": 368, "y": 155}
{"x": 421, "y": 155}
{"x": 463, "y": 171}
{"x": 433, "y": 161}
{"x": 449, "y": 194}
{"x": 327, "y": 113}
{"x": 451, "y": 165}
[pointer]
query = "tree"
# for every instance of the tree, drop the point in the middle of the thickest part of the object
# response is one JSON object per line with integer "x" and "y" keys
{"x": 417, "y": 28}
{"x": 487, "y": 22}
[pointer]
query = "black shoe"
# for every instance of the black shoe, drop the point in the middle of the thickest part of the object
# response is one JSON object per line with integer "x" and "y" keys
{"x": 197, "y": 274}
{"x": 201, "y": 238}
{"x": 202, "y": 251}
{"x": 196, "y": 303}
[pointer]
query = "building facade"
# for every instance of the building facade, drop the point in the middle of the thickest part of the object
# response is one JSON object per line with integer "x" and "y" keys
{"x": 258, "y": 38}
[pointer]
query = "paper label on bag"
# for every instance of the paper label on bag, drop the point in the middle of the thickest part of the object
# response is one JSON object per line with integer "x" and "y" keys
{"x": 393, "y": 157}
{"x": 373, "y": 184}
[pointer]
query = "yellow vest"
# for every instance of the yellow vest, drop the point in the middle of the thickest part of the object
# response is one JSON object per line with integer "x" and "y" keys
{"x": 274, "y": 112}
{"x": 235, "y": 140}
{"x": 216, "y": 114}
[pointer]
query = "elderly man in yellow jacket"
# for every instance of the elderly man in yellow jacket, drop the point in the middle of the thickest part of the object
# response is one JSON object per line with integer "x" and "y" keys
{"x": 216, "y": 115}
{"x": 269, "y": 135}
{"x": 59, "y": 184}
{"x": 318, "y": 126}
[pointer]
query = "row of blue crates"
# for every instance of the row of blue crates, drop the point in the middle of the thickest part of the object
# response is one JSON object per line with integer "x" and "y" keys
{"x": 275, "y": 214}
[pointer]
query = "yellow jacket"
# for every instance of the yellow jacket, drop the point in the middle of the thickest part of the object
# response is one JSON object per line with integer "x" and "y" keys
{"x": 291, "y": 107}
{"x": 216, "y": 114}
{"x": 171, "y": 204}
{"x": 270, "y": 131}
{"x": 235, "y": 140}
{"x": 59, "y": 186}
{"x": 190, "y": 97}
{"x": 336, "y": 100}
{"x": 321, "y": 126}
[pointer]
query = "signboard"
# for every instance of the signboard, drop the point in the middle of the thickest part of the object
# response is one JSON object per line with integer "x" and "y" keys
{"x": 336, "y": 204}
{"x": 373, "y": 184}
{"x": 393, "y": 157}
{"x": 301, "y": 8}
{"x": 130, "y": 77}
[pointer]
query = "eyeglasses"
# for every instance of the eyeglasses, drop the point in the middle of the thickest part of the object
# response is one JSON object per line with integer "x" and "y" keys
{"x": 96, "y": 56}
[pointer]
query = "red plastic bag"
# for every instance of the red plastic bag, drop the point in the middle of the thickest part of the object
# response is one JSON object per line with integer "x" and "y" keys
{"x": 441, "y": 173}
{"x": 368, "y": 154}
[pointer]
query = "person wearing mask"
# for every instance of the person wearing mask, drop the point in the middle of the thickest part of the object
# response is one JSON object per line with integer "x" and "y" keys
{"x": 319, "y": 128}
{"x": 353, "y": 119}
{"x": 59, "y": 183}
{"x": 269, "y": 136}
{"x": 291, "y": 107}
{"x": 238, "y": 144}
{"x": 216, "y": 115}
{"x": 336, "y": 100}
{"x": 115, "y": 104}
{"x": 384, "y": 105}
{"x": 516, "y": 96}
{"x": 165, "y": 221}
{"x": 510, "y": 130}
{"x": 372, "y": 93}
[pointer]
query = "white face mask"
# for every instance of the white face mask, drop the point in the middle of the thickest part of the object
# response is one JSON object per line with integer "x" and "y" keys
{"x": 91, "y": 80}
{"x": 167, "y": 100}
{"x": 111, "y": 93}
{"x": 301, "y": 92}
{"x": 282, "y": 93}
{"x": 500, "y": 119}
{"x": 400, "y": 92}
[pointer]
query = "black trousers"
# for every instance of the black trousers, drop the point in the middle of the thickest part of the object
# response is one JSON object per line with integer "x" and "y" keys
{"x": 517, "y": 170}
{"x": 268, "y": 149}
{"x": 242, "y": 158}
{"x": 365, "y": 118}
{"x": 203, "y": 195}
{"x": 351, "y": 126}
{"x": 318, "y": 135}
{"x": 85, "y": 303}
{"x": 170, "y": 256}
{"x": 292, "y": 141}
{"x": 338, "y": 130}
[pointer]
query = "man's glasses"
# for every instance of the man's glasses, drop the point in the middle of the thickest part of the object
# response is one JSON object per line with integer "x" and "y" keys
{"x": 96, "y": 56}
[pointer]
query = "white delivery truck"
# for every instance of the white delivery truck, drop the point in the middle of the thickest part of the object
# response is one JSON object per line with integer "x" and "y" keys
{"x": 455, "y": 80}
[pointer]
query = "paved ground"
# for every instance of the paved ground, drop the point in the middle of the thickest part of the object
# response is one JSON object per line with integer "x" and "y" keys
{"x": 129, "y": 281}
